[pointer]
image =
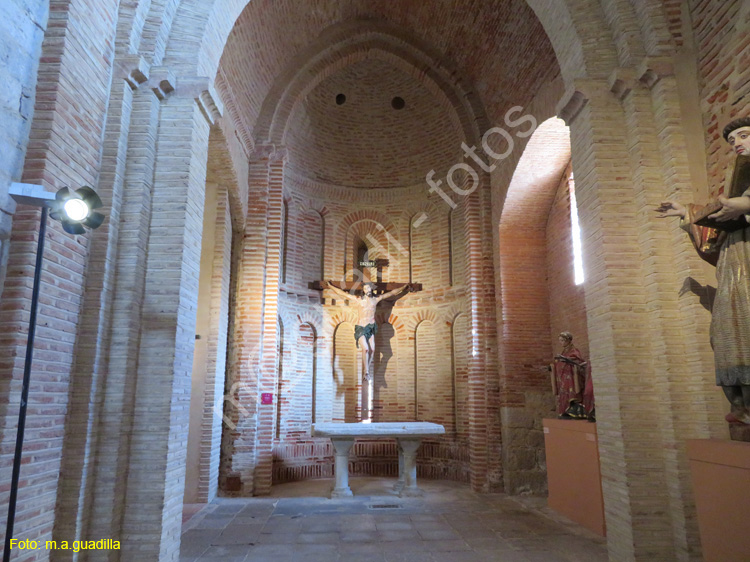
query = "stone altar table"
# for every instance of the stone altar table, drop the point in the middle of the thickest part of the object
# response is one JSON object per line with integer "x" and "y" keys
{"x": 407, "y": 434}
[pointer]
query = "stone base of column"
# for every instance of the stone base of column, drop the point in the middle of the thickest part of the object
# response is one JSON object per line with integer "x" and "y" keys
{"x": 342, "y": 493}
{"x": 341, "y": 488}
{"x": 408, "y": 467}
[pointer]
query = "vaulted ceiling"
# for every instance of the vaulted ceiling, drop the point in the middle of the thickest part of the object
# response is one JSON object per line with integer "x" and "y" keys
{"x": 495, "y": 50}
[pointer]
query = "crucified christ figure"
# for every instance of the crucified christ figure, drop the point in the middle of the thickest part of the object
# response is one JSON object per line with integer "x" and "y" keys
{"x": 366, "y": 328}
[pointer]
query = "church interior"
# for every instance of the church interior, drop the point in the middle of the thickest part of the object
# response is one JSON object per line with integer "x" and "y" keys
{"x": 501, "y": 159}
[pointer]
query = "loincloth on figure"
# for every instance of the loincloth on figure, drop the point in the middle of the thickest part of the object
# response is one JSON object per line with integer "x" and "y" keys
{"x": 368, "y": 331}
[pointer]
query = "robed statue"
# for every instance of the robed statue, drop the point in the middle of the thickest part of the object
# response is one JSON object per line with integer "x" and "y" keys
{"x": 571, "y": 382}
{"x": 721, "y": 235}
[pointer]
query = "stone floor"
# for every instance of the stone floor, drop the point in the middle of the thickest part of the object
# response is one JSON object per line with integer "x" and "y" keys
{"x": 450, "y": 523}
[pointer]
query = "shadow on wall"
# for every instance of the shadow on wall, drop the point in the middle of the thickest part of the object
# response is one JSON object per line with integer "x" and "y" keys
{"x": 383, "y": 354}
{"x": 706, "y": 293}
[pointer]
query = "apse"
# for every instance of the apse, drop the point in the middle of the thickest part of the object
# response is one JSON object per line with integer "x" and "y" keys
{"x": 358, "y": 146}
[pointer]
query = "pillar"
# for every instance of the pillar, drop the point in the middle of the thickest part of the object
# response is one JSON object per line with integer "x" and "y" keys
{"x": 152, "y": 518}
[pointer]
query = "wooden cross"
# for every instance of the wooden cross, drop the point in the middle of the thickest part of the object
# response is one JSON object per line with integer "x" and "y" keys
{"x": 380, "y": 287}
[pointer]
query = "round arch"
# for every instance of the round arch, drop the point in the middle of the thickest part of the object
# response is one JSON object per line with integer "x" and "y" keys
{"x": 334, "y": 51}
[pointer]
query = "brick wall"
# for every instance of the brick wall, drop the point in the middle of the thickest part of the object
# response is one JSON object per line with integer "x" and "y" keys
{"x": 417, "y": 376}
{"x": 529, "y": 299}
{"x": 64, "y": 150}
{"x": 365, "y": 142}
{"x": 566, "y": 299}
{"x": 618, "y": 143}
{"x": 722, "y": 38}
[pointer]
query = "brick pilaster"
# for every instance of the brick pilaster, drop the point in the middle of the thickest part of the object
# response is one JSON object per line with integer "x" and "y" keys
{"x": 268, "y": 372}
{"x": 155, "y": 484}
{"x": 88, "y": 421}
{"x": 621, "y": 339}
{"x": 241, "y": 401}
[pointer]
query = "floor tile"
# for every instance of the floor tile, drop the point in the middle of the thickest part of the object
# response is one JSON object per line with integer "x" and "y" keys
{"x": 450, "y": 523}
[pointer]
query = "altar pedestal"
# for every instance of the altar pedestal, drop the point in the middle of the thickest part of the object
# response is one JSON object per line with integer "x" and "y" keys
{"x": 573, "y": 477}
{"x": 721, "y": 482}
{"x": 408, "y": 435}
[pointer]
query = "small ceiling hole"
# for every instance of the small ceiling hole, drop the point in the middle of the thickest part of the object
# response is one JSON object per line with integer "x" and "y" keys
{"x": 340, "y": 99}
{"x": 398, "y": 103}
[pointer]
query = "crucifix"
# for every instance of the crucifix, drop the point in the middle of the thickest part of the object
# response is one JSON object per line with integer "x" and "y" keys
{"x": 366, "y": 328}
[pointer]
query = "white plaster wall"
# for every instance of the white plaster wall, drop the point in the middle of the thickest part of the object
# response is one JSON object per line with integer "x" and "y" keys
{"x": 22, "y": 26}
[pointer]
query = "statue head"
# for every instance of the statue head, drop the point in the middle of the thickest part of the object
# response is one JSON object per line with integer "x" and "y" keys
{"x": 737, "y": 134}
{"x": 368, "y": 289}
{"x": 565, "y": 338}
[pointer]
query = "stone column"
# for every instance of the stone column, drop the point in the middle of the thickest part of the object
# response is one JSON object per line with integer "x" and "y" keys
{"x": 409, "y": 447}
{"x": 341, "y": 467}
{"x": 399, "y": 485}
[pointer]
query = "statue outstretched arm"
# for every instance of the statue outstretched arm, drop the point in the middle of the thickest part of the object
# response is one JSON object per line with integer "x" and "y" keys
{"x": 707, "y": 241}
{"x": 339, "y": 292}
{"x": 394, "y": 292}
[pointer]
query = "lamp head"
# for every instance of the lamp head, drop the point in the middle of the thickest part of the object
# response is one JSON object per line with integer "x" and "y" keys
{"x": 75, "y": 209}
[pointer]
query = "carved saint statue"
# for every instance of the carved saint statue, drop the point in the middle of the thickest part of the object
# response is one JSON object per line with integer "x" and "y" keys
{"x": 366, "y": 328}
{"x": 571, "y": 382}
{"x": 728, "y": 250}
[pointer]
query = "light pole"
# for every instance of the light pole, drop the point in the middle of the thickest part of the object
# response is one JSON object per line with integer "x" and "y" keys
{"x": 73, "y": 210}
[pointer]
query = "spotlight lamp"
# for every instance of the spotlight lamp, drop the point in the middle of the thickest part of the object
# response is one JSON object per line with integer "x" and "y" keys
{"x": 75, "y": 209}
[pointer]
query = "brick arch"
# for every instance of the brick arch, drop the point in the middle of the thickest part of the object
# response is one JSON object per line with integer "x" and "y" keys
{"x": 274, "y": 118}
{"x": 315, "y": 320}
{"x": 365, "y": 214}
{"x": 130, "y": 26}
{"x": 580, "y": 37}
{"x": 365, "y": 224}
{"x": 312, "y": 207}
{"x": 348, "y": 42}
{"x": 192, "y": 40}
{"x": 393, "y": 320}
{"x": 522, "y": 237}
{"x": 421, "y": 316}
{"x": 367, "y": 231}
{"x": 220, "y": 170}
{"x": 341, "y": 317}
{"x": 524, "y": 288}
{"x": 192, "y": 36}
{"x": 449, "y": 315}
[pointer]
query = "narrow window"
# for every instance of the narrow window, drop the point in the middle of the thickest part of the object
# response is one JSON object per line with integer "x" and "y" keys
{"x": 575, "y": 232}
